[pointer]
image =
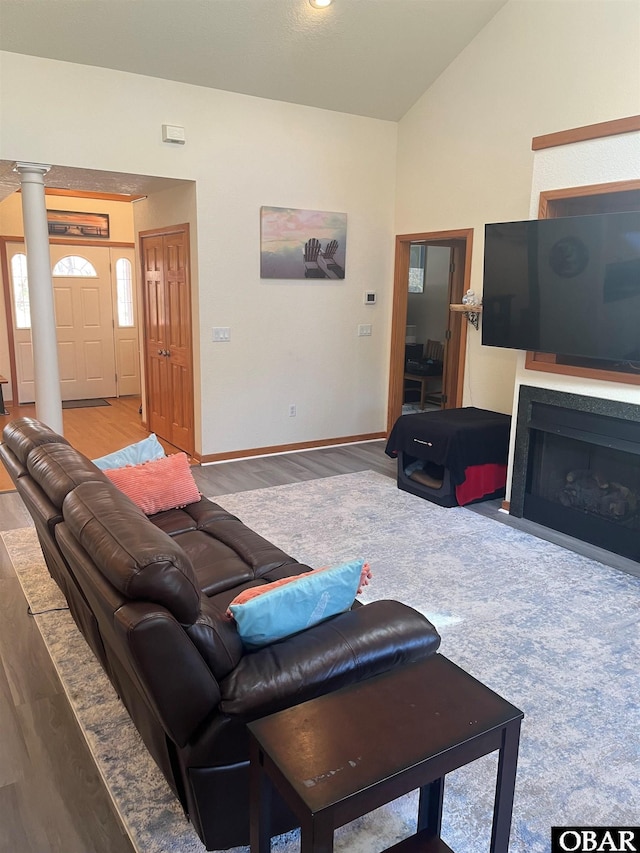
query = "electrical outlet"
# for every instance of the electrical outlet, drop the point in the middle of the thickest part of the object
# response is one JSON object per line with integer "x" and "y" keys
{"x": 292, "y": 410}
{"x": 364, "y": 330}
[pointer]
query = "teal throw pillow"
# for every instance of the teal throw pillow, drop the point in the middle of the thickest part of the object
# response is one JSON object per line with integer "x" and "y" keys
{"x": 142, "y": 451}
{"x": 291, "y": 607}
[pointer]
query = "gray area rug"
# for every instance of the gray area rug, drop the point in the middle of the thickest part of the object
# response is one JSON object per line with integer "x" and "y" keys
{"x": 553, "y": 632}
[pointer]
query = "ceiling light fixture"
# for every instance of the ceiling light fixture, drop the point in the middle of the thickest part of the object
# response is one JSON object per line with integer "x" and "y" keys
{"x": 320, "y": 4}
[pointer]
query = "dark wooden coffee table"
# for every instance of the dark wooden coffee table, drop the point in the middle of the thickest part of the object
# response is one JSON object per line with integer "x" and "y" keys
{"x": 337, "y": 757}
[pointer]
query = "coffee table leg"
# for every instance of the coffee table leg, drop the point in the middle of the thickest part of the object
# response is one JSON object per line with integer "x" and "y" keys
{"x": 505, "y": 786}
{"x": 316, "y": 836}
{"x": 430, "y": 807}
{"x": 261, "y": 793}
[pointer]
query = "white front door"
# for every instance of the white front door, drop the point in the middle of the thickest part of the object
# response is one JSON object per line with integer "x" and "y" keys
{"x": 91, "y": 339}
{"x": 84, "y": 322}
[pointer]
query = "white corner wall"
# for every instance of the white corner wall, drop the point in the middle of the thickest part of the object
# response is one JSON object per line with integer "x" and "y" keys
{"x": 464, "y": 149}
{"x": 291, "y": 341}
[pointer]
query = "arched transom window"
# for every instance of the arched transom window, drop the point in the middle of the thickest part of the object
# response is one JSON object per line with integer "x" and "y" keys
{"x": 75, "y": 265}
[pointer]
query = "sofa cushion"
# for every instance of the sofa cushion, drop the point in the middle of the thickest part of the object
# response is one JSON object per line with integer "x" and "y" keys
{"x": 261, "y": 557}
{"x": 59, "y": 468}
{"x": 159, "y": 484}
{"x": 137, "y": 558}
{"x": 133, "y": 454}
{"x": 290, "y": 605}
{"x": 224, "y": 552}
{"x": 23, "y": 434}
{"x": 194, "y": 516}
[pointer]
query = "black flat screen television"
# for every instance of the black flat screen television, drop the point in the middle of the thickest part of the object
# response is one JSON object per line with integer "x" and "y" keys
{"x": 569, "y": 286}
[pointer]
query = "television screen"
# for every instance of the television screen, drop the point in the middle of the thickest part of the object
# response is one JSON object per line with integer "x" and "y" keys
{"x": 569, "y": 286}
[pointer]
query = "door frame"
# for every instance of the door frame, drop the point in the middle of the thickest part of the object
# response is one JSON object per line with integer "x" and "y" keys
{"x": 461, "y": 242}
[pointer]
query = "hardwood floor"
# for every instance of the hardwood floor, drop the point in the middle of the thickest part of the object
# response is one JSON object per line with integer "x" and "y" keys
{"x": 94, "y": 431}
{"x": 52, "y": 799}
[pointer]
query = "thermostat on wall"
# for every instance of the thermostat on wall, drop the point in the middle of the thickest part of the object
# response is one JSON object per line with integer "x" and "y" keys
{"x": 369, "y": 297}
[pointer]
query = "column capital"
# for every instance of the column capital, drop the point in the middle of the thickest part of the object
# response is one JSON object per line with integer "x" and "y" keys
{"x": 31, "y": 169}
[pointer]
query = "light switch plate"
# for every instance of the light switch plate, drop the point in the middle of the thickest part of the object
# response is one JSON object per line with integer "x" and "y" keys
{"x": 364, "y": 330}
{"x": 221, "y": 334}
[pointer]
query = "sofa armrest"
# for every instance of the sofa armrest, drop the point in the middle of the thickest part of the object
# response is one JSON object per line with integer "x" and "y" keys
{"x": 177, "y": 684}
{"x": 345, "y": 649}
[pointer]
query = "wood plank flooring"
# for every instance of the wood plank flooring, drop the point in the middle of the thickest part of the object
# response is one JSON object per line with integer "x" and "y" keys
{"x": 94, "y": 431}
{"x": 52, "y": 799}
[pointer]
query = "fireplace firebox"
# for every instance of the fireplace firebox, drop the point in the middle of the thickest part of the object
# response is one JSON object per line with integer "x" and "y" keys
{"x": 577, "y": 468}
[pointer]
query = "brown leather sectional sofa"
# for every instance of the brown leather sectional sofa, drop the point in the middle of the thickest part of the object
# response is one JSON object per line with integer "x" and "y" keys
{"x": 149, "y": 594}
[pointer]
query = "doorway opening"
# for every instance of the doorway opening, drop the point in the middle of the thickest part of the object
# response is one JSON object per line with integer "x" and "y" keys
{"x": 155, "y": 200}
{"x": 432, "y": 270}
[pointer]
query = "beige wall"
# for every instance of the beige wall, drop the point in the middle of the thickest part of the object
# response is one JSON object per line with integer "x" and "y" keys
{"x": 464, "y": 150}
{"x": 291, "y": 341}
{"x": 120, "y": 214}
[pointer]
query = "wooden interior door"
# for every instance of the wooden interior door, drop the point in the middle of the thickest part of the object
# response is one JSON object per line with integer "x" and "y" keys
{"x": 167, "y": 335}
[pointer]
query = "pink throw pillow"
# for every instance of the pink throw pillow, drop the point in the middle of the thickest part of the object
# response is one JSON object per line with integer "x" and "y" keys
{"x": 157, "y": 485}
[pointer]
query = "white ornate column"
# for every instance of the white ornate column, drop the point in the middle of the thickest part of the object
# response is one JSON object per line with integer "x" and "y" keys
{"x": 43, "y": 323}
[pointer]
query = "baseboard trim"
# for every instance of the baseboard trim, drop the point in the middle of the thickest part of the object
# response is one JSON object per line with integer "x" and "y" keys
{"x": 274, "y": 450}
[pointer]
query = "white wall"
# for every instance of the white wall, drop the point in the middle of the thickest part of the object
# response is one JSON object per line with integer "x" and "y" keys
{"x": 464, "y": 149}
{"x": 291, "y": 341}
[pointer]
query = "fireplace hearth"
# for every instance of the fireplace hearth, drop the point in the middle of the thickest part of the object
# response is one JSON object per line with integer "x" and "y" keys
{"x": 577, "y": 468}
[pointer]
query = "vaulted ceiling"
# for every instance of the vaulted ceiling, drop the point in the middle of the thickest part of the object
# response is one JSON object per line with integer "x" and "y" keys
{"x": 367, "y": 57}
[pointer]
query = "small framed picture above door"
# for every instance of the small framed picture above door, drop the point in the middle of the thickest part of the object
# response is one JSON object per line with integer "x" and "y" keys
{"x": 67, "y": 223}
